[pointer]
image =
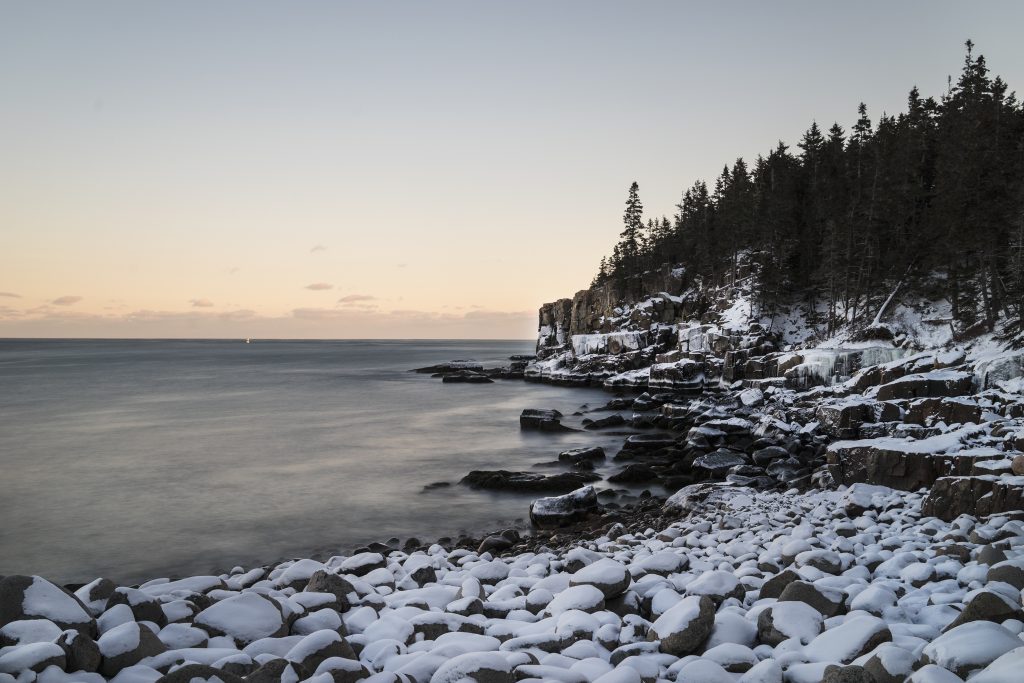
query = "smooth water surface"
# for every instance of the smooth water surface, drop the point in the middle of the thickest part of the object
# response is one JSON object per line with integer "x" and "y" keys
{"x": 138, "y": 459}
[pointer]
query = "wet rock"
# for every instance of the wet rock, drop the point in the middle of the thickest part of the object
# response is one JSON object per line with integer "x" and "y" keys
{"x": 451, "y": 367}
{"x": 503, "y": 480}
{"x": 718, "y": 463}
{"x": 466, "y": 377}
{"x": 639, "y": 443}
{"x": 558, "y": 511}
{"x": 615, "y": 420}
{"x": 633, "y": 473}
{"x": 542, "y": 420}
{"x": 585, "y": 454}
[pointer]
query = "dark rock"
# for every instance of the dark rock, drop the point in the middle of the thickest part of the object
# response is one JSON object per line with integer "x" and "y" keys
{"x": 1008, "y": 572}
{"x": 646, "y": 442}
{"x": 843, "y": 421}
{"x": 278, "y": 671}
{"x": 542, "y": 420}
{"x": 199, "y": 673}
{"x": 323, "y": 581}
{"x": 805, "y": 592}
{"x": 466, "y": 377}
{"x": 495, "y": 544}
{"x": 633, "y": 473}
{"x": 938, "y": 383}
{"x": 609, "y": 421}
{"x": 786, "y": 470}
{"x": 563, "y": 510}
{"x": 928, "y": 411}
{"x": 765, "y": 456}
{"x": 143, "y": 607}
{"x": 587, "y": 453}
{"x": 81, "y": 652}
{"x": 455, "y": 366}
{"x": 718, "y": 463}
{"x": 691, "y": 637}
{"x": 986, "y": 606}
{"x": 847, "y": 674}
{"x": 978, "y": 496}
{"x": 503, "y": 480}
{"x": 94, "y": 595}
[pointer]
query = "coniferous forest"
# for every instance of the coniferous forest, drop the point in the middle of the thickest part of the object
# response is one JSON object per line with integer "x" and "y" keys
{"x": 935, "y": 192}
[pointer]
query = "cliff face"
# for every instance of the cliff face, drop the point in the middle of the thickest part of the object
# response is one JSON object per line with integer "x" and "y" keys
{"x": 612, "y": 306}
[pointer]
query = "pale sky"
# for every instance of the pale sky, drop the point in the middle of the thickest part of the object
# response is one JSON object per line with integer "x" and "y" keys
{"x": 400, "y": 169}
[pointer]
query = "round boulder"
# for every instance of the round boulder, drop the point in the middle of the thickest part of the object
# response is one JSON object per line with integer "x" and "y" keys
{"x": 607, "y": 575}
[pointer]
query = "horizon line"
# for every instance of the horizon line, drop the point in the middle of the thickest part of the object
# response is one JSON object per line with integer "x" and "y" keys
{"x": 242, "y": 339}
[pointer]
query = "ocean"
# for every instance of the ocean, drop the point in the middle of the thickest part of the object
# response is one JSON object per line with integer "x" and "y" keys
{"x": 137, "y": 459}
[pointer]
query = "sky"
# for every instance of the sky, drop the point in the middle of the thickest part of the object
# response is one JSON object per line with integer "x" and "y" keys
{"x": 401, "y": 169}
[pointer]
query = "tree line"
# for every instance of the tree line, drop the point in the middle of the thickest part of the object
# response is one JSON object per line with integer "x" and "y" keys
{"x": 936, "y": 190}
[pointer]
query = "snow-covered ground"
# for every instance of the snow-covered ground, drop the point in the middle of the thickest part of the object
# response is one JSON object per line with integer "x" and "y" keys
{"x": 846, "y": 585}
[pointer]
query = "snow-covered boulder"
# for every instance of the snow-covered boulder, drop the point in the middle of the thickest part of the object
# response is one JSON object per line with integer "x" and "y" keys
{"x": 607, "y": 575}
{"x": 31, "y": 657}
{"x": 483, "y": 667}
{"x": 971, "y": 646}
{"x": 127, "y": 645}
{"x": 246, "y": 618}
{"x": 33, "y": 597}
{"x": 555, "y": 511}
{"x": 785, "y": 620}
{"x": 682, "y": 629}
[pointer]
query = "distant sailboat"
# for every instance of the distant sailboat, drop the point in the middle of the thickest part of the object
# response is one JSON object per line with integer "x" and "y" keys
{"x": 248, "y": 340}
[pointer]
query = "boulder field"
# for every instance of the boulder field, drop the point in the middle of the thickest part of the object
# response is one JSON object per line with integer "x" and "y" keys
{"x": 744, "y": 586}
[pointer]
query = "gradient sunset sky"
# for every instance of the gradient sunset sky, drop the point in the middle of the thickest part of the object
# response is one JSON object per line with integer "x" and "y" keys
{"x": 400, "y": 169}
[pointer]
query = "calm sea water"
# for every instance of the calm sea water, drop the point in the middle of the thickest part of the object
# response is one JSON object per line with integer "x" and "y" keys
{"x": 140, "y": 459}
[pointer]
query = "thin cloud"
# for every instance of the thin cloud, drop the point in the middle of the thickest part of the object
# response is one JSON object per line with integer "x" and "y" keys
{"x": 201, "y": 303}
{"x": 319, "y": 286}
{"x": 356, "y": 298}
{"x": 10, "y": 295}
{"x": 66, "y": 300}
{"x": 316, "y": 248}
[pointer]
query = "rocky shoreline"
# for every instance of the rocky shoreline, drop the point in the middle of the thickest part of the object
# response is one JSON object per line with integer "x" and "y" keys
{"x": 865, "y": 530}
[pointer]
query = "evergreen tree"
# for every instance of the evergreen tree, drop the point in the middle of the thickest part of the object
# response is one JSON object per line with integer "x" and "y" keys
{"x": 938, "y": 188}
